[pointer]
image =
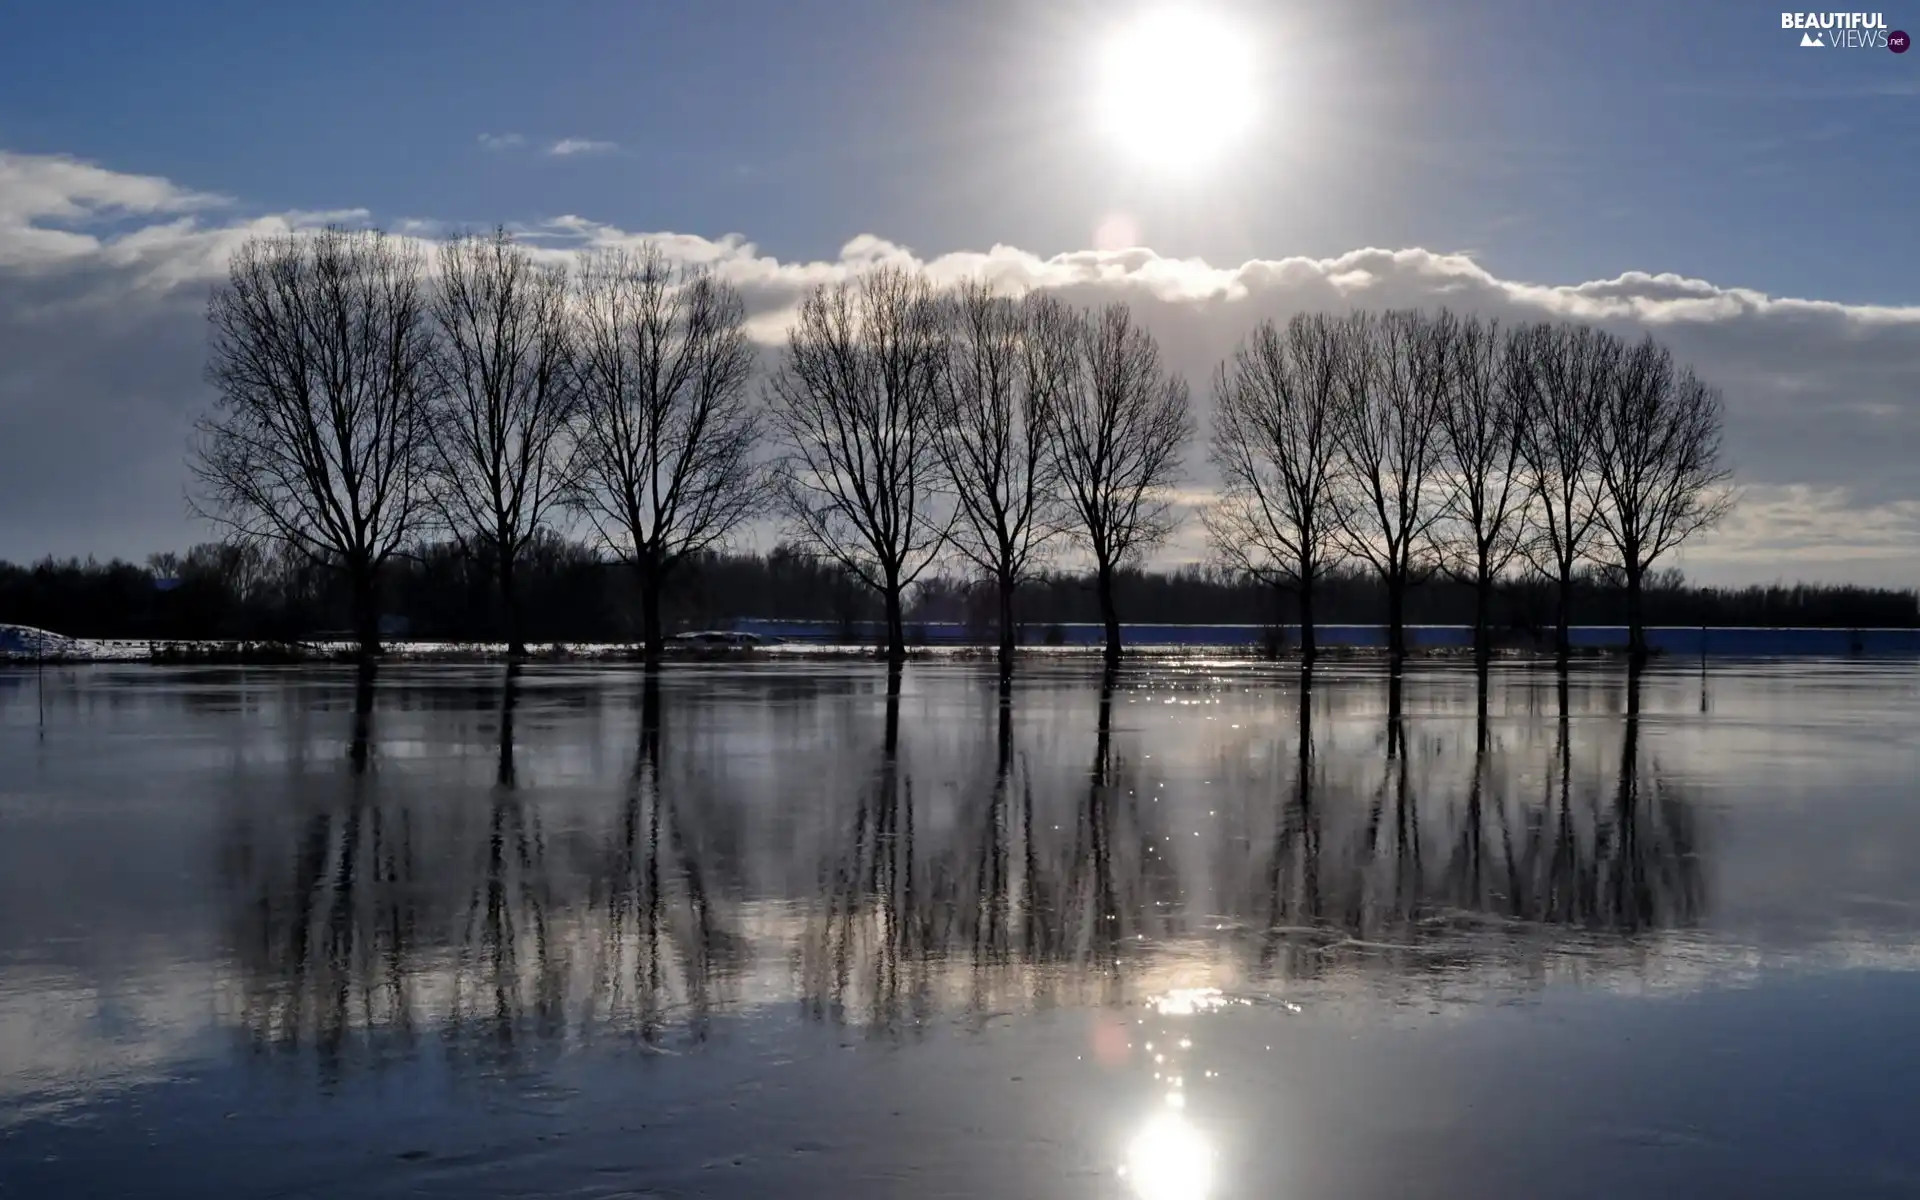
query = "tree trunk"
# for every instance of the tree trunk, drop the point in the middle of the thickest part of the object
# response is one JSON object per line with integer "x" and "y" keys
{"x": 1109, "y": 613}
{"x": 510, "y": 604}
{"x": 1396, "y": 618}
{"x": 1482, "y": 616}
{"x": 1309, "y": 644}
{"x": 1636, "y": 626}
{"x": 1563, "y": 616}
{"x": 366, "y": 608}
{"x": 1006, "y": 620}
{"x": 652, "y": 639}
{"x": 896, "y": 624}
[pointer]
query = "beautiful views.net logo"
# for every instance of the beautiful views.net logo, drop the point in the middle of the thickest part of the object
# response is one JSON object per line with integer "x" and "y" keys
{"x": 1846, "y": 31}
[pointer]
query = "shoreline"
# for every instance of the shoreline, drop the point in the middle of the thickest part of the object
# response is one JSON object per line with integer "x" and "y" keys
{"x": 157, "y": 653}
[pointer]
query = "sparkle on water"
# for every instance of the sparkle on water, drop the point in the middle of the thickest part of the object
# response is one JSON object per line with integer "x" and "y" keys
{"x": 1184, "y": 1002}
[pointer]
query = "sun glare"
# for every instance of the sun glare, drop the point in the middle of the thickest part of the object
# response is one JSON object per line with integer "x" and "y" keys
{"x": 1169, "y": 1160}
{"x": 1176, "y": 88}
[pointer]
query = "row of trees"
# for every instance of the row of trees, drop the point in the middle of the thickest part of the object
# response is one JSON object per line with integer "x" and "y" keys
{"x": 1425, "y": 443}
{"x": 364, "y": 402}
{"x": 361, "y": 405}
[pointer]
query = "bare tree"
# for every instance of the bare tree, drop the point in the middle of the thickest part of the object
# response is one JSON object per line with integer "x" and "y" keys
{"x": 321, "y": 352}
{"x": 858, "y": 406}
{"x": 1122, "y": 427}
{"x": 664, "y": 466}
{"x": 1000, "y": 384}
{"x": 501, "y": 425}
{"x": 1393, "y": 370}
{"x": 1486, "y": 491}
{"x": 1658, "y": 459}
{"x": 1275, "y": 401}
{"x": 1564, "y": 370}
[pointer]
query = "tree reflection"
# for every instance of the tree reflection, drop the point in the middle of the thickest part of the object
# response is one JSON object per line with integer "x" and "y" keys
{"x": 507, "y": 977}
{"x": 1652, "y": 870}
{"x": 1104, "y": 928}
{"x": 360, "y": 745}
{"x": 324, "y": 949}
{"x": 855, "y": 949}
{"x": 1293, "y": 893}
{"x": 1060, "y": 848}
{"x": 668, "y": 949}
{"x": 382, "y": 909}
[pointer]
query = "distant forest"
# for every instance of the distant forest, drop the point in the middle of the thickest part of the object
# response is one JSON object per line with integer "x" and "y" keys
{"x": 572, "y": 594}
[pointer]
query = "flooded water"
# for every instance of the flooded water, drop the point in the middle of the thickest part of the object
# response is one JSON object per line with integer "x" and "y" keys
{"x": 777, "y": 930}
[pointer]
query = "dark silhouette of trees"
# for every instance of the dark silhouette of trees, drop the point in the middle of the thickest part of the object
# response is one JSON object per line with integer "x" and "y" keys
{"x": 1122, "y": 427}
{"x": 1657, "y": 456}
{"x": 857, "y": 402}
{"x": 1435, "y": 451}
{"x": 1274, "y": 444}
{"x": 571, "y": 595}
{"x": 664, "y": 467}
{"x": 1481, "y": 412}
{"x": 500, "y": 429}
{"x": 1005, "y": 367}
{"x": 1565, "y": 369}
{"x": 1393, "y": 372}
{"x": 322, "y": 358}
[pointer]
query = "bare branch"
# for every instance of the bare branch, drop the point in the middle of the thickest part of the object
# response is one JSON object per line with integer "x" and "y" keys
{"x": 501, "y": 427}
{"x": 1485, "y": 490}
{"x": 1388, "y": 425}
{"x": 322, "y": 356}
{"x": 1123, "y": 424}
{"x": 1658, "y": 459}
{"x": 857, "y": 403}
{"x": 664, "y": 466}
{"x": 1275, "y": 401}
{"x": 1005, "y": 367}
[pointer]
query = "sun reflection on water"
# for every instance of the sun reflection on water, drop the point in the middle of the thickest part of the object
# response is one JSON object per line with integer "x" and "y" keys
{"x": 1169, "y": 1159}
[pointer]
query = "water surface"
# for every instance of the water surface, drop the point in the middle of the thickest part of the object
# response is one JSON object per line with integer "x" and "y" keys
{"x": 1200, "y": 929}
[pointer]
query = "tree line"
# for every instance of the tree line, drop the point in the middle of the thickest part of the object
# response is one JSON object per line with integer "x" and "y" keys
{"x": 570, "y": 593}
{"x": 1419, "y": 444}
{"x": 367, "y": 403}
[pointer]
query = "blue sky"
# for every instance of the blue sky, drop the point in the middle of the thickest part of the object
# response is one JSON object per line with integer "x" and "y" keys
{"x": 1556, "y": 141}
{"x": 1683, "y": 168}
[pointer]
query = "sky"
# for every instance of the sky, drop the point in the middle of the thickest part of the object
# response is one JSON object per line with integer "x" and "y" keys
{"x": 1683, "y": 167}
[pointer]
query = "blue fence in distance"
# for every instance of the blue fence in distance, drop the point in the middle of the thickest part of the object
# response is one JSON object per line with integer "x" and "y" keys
{"x": 1732, "y": 641}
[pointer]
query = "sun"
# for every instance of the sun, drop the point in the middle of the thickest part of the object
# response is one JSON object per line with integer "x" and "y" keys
{"x": 1176, "y": 88}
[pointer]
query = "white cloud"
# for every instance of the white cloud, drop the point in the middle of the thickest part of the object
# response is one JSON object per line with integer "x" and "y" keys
{"x": 42, "y": 197}
{"x": 1826, "y": 529}
{"x": 103, "y": 278}
{"x": 566, "y": 147}
{"x": 570, "y": 147}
